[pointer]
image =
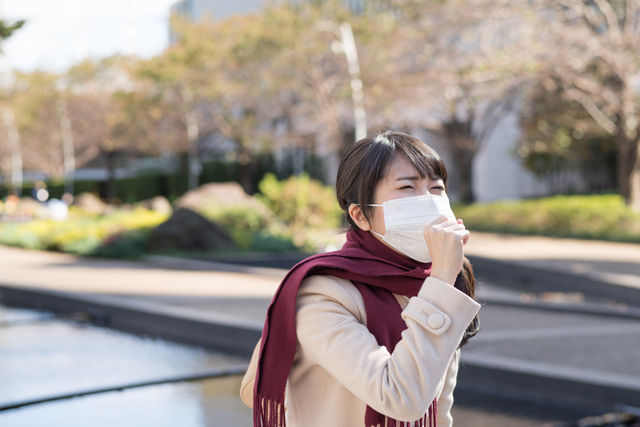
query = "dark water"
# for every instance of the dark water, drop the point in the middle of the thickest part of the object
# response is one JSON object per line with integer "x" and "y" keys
{"x": 43, "y": 357}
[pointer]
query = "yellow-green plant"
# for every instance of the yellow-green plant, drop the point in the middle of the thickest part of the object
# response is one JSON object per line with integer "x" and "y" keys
{"x": 80, "y": 234}
{"x": 240, "y": 217}
{"x": 301, "y": 202}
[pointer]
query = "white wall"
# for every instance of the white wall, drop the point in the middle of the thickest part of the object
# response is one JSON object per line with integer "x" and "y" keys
{"x": 498, "y": 172}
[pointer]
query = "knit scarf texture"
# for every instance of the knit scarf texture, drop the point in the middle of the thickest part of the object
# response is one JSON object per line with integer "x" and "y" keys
{"x": 378, "y": 272}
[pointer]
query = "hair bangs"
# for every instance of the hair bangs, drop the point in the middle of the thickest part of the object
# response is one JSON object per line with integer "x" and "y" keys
{"x": 426, "y": 161}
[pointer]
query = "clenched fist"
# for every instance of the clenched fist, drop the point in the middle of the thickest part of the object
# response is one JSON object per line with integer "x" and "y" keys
{"x": 446, "y": 239}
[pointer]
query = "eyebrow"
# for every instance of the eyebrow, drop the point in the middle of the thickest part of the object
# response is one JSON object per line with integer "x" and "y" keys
{"x": 409, "y": 178}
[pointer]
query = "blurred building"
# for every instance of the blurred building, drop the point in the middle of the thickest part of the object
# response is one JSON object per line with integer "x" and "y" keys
{"x": 197, "y": 10}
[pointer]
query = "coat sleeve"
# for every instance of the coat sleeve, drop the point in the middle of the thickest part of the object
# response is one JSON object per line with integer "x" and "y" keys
{"x": 249, "y": 379}
{"x": 400, "y": 385}
{"x": 445, "y": 400}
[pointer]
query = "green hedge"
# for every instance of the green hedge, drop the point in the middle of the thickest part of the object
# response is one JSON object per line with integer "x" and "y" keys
{"x": 128, "y": 190}
{"x": 601, "y": 217}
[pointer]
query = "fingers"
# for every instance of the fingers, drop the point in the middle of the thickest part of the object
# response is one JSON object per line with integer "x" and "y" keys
{"x": 445, "y": 224}
{"x": 465, "y": 237}
{"x": 444, "y": 219}
{"x": 439, "y": 220}
{"x": 451, "y": 225}
{"x": 458, "y": 230}
{"x": 465, "y": 240}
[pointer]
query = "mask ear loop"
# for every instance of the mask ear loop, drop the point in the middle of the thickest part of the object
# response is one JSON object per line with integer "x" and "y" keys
{"x": 379, "y": 235}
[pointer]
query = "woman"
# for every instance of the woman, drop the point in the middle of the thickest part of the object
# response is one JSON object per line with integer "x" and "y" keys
{"x": 369, "y": 335}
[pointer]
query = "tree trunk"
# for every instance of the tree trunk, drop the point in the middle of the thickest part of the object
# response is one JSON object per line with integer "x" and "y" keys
{"x": 183, "y": 184}
{"x": 247, "y": 176}
{"x": 111, "y": 176}
{"x": 634, "y": 182}
{"x": 16, "y": 153}
{"x": 628, "y": 170}
{"x": 193, "y": 132}
{"x": 348, "y": 138}
{"x": 464, "y": 162}
{"x": 68, "y": 149}
{"x": 464, "y": 149}
{"x": 192, "y": 153}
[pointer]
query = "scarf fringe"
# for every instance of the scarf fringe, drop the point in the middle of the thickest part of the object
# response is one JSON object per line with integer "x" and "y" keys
{"x": 268, "y": 413}
{"x": 428, "y": 419}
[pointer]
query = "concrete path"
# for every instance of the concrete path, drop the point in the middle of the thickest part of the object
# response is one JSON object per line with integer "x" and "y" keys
{"x": 567, "y": 349}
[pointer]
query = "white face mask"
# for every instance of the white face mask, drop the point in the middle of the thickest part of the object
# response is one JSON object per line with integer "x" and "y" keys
{"x": 404, "y": 220}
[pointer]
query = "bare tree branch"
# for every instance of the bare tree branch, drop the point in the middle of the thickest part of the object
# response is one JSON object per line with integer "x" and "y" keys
{"x": 583, "y": 10}
{"x": 593, "y": 88}
{"x": 593, "y": 110}
{"x": 631, "y": 18}
{"x": 612, "y": 19}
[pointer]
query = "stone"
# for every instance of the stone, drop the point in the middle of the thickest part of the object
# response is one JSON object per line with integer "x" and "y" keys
{"x": 219, "y": 195}
{"x": 158, "y": 204}
{"x": 189, "y": 231}
{"x": 90, "y": 203}
{"x": 29, "y": 206}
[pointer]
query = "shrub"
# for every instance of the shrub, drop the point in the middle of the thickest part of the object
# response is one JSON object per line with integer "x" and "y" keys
{"x": 604, "y": 217}
{"x": 262, "y": 241}
{"x": 130, "y": 244}
{"x": 250, "y": 228}
{"x": 301, "y": 202}
{"x": 238, "y": 217}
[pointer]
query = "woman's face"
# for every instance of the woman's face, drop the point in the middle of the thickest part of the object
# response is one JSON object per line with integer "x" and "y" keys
{"x": 402, "y": 180}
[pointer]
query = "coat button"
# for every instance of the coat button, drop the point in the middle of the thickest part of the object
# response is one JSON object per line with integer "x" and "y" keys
{"x": 435, "y": 321}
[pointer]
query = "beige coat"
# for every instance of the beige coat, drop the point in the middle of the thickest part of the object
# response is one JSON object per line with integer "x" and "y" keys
{"x": 339, "y": 368}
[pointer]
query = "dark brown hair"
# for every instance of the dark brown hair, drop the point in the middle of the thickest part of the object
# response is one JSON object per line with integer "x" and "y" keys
{"x": 367, "y": 162}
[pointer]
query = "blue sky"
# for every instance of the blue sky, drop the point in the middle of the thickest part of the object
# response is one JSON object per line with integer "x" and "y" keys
{"x": 59, "y": 33}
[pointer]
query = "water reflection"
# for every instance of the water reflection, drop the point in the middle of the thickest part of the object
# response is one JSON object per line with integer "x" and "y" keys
{"x": 43, "y": 357}
{"x": 198, "y": 404}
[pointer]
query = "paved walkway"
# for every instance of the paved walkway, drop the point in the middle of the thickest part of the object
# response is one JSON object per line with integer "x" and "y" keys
{"x": 543, "y": 342}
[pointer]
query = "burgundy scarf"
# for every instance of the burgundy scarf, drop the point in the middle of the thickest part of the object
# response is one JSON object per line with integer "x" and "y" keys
{"x": 378, "y": 272}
